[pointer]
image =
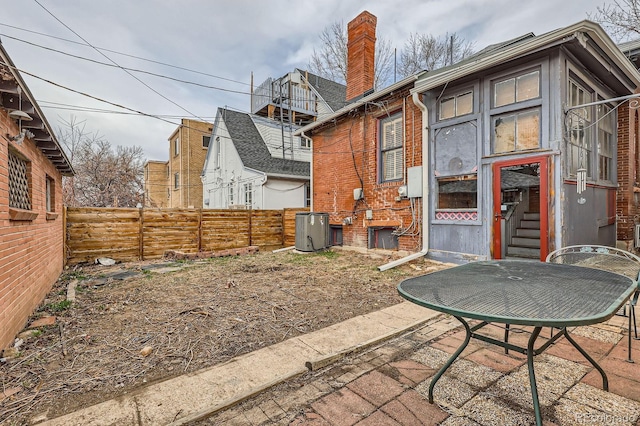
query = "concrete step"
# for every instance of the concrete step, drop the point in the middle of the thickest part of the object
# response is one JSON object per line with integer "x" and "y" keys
{"x": 525, "y": 242}
{"x": 530, "y": 224}
{"x": 531, "y": 216}
{"x": 528, "y": 252}
{"x": 531, "y": 233}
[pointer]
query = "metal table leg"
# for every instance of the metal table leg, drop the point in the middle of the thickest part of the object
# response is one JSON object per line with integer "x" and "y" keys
{"x": 532, "y": 375}
{"x": 453, "y": 357}
{"x": 605, "y": 381}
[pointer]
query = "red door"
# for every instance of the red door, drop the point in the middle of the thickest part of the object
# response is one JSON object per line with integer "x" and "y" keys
{"x": 520, "y": 208}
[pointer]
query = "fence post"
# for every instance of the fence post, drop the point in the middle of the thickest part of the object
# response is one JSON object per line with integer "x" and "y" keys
{"x": 250, "y": 228}
{"x": 199, "y": 230}
{"x": 141, "y": 233}
{"x": 65, "y": 246}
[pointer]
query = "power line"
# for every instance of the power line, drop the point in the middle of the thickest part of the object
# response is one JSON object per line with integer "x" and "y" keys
{"x": 114, "y": 62}
{"x": 125, "y": 68}
{"x": 124, "y": 54}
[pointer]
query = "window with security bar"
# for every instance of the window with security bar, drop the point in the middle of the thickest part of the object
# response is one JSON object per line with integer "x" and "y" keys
{"x": 391, "y": 148}
{"x": 19, "y": 175}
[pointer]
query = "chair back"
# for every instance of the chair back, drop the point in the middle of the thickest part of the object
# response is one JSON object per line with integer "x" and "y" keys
{"x": 598, "y": 257}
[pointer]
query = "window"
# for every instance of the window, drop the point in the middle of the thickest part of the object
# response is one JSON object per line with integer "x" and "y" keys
{"x": 606, "y": 127}
{"x": 516, "y": 89}
{"x": 305, "y": 143}
{"x": 516, "y": 113}
{"x": 307, "y": 195}
{"x": 231, "y": 194}
{"x": 19, "y": 185}
{"x": 168, "y": 193}
{"x": 50, "y": 191}
{"x": 176, "y": 181}
{"x": 216, "y": 152}
{"x": 248, "y": 194}
{"x": 383, "y": 238}
{"x": 168, "y": 171}
{"x": 391, "y": 158}
{"x": 458, "y": 192}
{"x": 205, "y": 141}
{"x": 579, "y": 122}
{"x": 176, "y": 146}
{"x": 455, "y": 106}
{"x": 516, "y": 132}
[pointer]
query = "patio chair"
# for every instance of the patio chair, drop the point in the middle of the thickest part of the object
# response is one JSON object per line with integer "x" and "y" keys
{"x": 607, "y": 259}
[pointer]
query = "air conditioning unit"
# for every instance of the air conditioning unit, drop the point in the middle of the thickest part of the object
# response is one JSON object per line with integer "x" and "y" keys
{"x": 636, "y": 236}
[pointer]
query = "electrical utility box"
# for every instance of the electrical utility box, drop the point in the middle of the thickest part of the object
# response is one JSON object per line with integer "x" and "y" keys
{"x": 312, "y": 231}
{"x": 414, "y": 182}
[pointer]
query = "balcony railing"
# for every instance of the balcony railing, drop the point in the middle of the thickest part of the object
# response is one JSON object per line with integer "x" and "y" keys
{"x": 294, "y": 97}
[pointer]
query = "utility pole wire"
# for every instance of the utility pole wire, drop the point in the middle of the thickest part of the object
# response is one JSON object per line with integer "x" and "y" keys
{"x": 115, "y": 63}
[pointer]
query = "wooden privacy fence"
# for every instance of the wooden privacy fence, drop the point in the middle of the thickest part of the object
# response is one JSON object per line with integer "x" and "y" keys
{"x": 129, "y": 234}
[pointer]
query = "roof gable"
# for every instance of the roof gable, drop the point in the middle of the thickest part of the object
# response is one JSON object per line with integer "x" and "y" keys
{"x": 252, "y": 149}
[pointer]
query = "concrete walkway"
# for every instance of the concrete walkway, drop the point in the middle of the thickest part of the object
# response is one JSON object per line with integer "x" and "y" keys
{"x": 197, "y": 395}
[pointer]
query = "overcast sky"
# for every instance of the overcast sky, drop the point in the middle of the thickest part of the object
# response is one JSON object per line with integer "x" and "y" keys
{"x": 219, "y": 44}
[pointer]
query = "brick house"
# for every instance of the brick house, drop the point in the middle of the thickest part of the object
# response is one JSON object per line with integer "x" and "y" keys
{"x": 32, "y": 164}
{"x": 519, "y": 142}
{"x": 176, "y": 183}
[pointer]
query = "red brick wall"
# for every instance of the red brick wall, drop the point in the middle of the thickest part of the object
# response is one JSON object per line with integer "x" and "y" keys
{"x": 626, "y": 207}
{"x": 339, "y": 149}
{"x": 31, "y": 252}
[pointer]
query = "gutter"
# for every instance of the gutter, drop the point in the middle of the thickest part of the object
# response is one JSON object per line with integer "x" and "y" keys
{"x": 425, "y": 189}
{"x": 359, "y": 103}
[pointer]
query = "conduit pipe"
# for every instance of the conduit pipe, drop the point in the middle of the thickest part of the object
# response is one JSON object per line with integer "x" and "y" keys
{"x": 425, "y": 189}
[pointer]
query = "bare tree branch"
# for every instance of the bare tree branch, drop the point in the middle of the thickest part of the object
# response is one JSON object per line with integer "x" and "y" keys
{"x": 621, "y": 19}
{"x": 421, "y": 52}
{"x": 104, "y": 177}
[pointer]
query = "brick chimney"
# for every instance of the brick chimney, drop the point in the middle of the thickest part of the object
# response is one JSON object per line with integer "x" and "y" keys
{"x": 361, "y": 46}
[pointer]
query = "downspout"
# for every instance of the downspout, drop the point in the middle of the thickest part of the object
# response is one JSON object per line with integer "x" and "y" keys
{"x": 310, "y": 169}
{"x": 425, "y": 190}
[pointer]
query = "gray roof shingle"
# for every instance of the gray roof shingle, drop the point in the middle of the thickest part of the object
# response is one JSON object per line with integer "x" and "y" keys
{"x": 334, "y": 94}
{"x": 253, "y": 150}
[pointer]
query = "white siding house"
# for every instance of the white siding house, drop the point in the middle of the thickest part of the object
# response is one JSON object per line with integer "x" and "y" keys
{"x": 253, "y": 160}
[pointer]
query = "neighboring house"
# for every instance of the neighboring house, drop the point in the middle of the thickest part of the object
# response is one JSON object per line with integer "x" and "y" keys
{"x": 254, "y": 162}
{"x": 32, "y": 164}
{"x": 178, "y": 184}
{"x": 523, "y": 154}
{"x": 157, "y": 192}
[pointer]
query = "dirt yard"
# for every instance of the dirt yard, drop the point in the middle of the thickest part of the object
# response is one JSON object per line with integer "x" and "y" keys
{"x": 132, "y": 324}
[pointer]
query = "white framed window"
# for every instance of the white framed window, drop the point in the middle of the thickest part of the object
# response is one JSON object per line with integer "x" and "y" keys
{"x": 248, "y": 194}
{"x": 305, "y": 143}
{"x": 176, "y": 147}
{"x": 231, "y": 195}
{"x": 391, "y": 148}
